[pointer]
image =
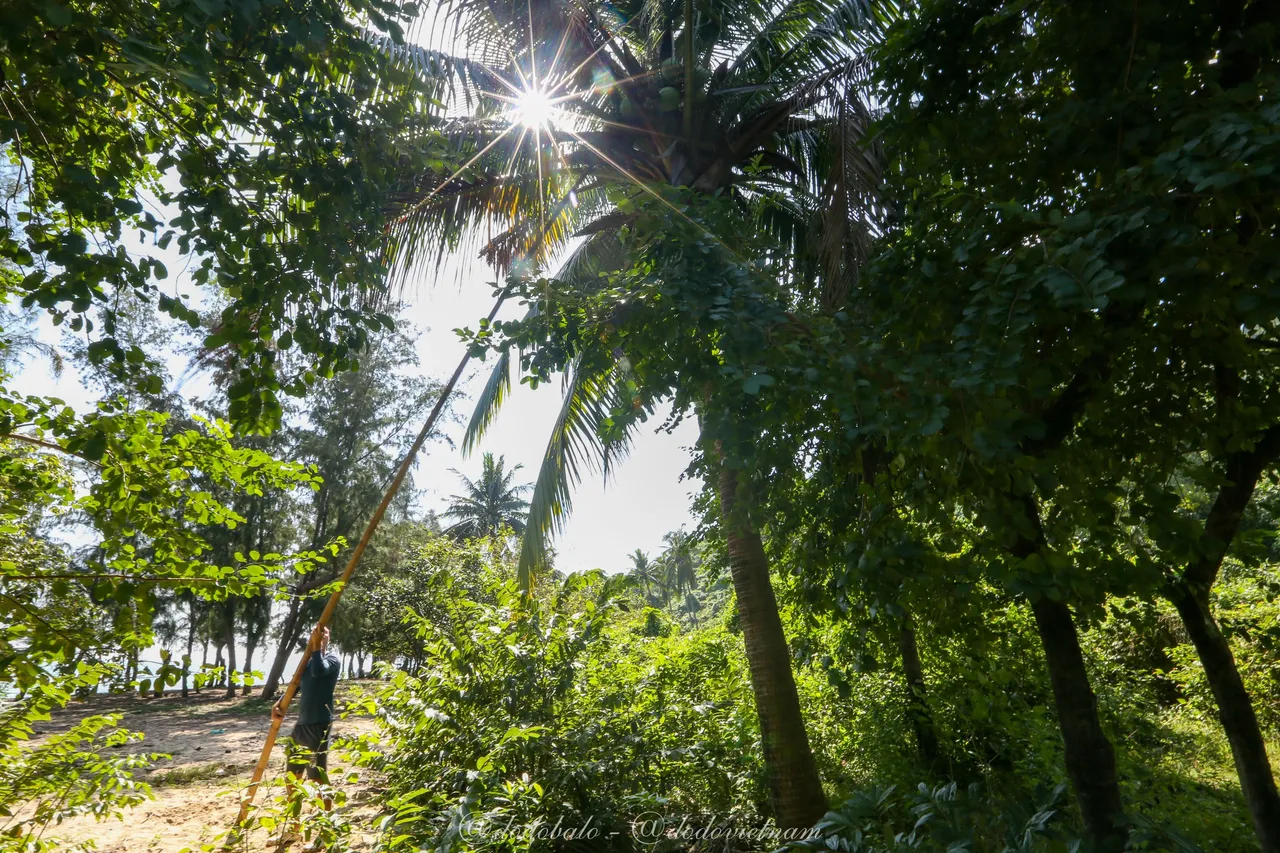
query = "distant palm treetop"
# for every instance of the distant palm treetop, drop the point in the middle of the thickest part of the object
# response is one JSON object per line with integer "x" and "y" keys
{"x": 488, "y": 504}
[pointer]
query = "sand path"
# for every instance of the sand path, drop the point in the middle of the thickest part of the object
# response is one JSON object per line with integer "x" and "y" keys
{"x": 213, "y": 743}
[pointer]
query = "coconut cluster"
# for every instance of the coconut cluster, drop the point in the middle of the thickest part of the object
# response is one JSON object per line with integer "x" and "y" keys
{"x": 663, "y": 92}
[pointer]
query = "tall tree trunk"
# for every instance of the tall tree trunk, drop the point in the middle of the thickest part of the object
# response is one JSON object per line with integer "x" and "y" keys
{"x": 917, "y": 702}
{"x": 1190, "y": 595}
{"x": 191, "y": 643}
{"x": 288, "y": 636}
{"x": 1239, "y": 720}
{"x": 250, "y": 645}
{"x": 1090, "y": 758}
{"x": 186, "y": 660}
{"x": 230, "y": 632}
{"x": 796, "y": 790}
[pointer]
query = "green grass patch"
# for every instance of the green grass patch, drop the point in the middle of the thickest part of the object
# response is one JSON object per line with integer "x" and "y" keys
{"x": 251, "y": 707}
{"x": 192, "y": 774}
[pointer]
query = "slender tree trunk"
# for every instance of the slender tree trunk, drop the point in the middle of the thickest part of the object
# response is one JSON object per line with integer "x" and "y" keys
{"x": 288, "y": 636}
{"x": 250, "y": 645}
{"x": 1090, "y": 759}
{"x": 1089, "y": 756}
{"x": 917, "y": 702}
{"x": 191, "y": 643}
{"x": 204, "y": 662}
{"x": 1190, "y": 595}
{"x": 231, "y": 648}
{"x": 134, "y": 651}
{"x": 131, "y": 662}
{"x": 1239, "y": 720}
{"x": 796, "y": 790}
{"x": 157, "y": 685}
{"x": 186, "y": 672}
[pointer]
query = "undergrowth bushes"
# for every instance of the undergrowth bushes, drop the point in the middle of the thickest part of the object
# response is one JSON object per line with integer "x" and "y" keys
{"x": 562, "y": 711}
{"x": 582, "y": 716}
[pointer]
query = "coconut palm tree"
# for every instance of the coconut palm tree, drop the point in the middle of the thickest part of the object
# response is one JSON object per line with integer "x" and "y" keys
{"x": 647, "y": 576}
{"x": 488, "y": 504}
{"x": 576, "y": 109}
{"x": 679, "y": 562}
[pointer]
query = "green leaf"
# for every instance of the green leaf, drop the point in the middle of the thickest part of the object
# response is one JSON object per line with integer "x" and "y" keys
{"x": 752, "y": 384}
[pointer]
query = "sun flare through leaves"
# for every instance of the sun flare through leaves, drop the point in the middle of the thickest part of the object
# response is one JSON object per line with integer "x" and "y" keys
{"x": 533, "y": 109}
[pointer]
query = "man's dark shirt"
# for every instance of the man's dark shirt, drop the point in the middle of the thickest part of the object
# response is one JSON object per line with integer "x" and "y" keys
{"x": 318, "y": 682}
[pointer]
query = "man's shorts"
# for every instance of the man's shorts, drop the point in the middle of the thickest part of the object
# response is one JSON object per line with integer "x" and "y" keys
{"x": 310, "y": 751}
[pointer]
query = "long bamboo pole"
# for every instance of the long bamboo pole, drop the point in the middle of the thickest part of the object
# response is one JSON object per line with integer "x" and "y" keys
{"x": 246, "y": 801}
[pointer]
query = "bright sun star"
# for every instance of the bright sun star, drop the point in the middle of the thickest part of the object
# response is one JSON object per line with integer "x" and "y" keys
{"x": 533, "y": 109}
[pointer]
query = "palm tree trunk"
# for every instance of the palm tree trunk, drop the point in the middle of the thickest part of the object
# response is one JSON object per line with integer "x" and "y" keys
{"x": 795, "y": 788}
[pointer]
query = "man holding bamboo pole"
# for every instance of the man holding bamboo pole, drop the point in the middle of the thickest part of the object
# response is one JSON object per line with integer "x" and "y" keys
{"x": 309, "y": 752}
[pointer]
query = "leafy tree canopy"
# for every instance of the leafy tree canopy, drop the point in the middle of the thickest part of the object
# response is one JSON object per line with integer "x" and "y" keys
{"x": 265, "y": 139}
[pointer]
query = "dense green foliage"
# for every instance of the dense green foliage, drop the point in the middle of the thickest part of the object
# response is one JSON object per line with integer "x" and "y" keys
{"x": 568, "y": 708}
{"x": 976, "y": 307}
{"x": 586, "y": 706}
{"x": 259, "y": 131}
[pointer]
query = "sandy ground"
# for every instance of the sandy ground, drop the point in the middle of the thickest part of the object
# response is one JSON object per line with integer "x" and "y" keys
{"x": 214, "y": 744}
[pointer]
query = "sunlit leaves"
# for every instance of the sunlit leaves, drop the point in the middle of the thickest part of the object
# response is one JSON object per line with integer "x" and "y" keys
{"x": 271, "y": 133}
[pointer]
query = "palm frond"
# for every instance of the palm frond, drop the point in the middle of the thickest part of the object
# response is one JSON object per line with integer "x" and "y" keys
{"x": 803, "y": 37}
{"x": 847, "y": 226}
{"x": 602, "y": 252}
{"x": 455, "y": 75}
{"x": 592, "y": 397}
{"x": 492, "y": 396}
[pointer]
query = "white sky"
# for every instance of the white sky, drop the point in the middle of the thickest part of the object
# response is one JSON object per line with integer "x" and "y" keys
{"x": 645, "y": 497}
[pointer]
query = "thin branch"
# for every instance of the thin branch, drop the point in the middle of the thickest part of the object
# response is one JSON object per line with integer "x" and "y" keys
{"x": 1243, "y": 470}
{"x": 47, "y": 445}
{"x": 108, "y": 576}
